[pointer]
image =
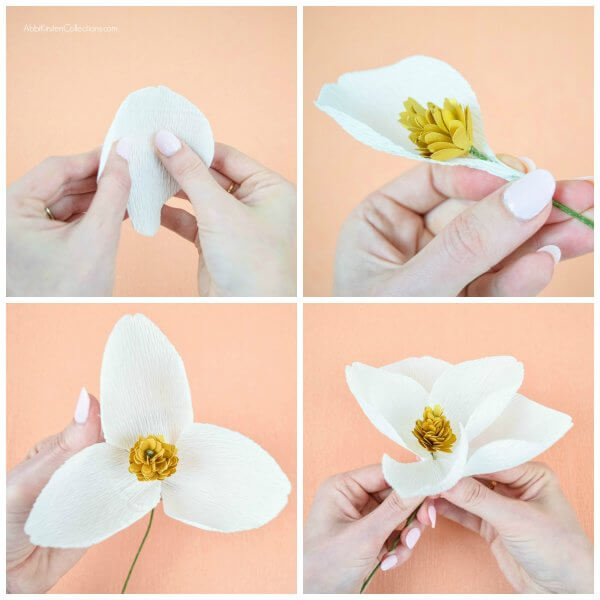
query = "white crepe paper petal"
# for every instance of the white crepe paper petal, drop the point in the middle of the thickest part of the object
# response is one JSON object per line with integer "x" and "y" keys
{"x": 140, "y": 116}
{"x": 475, "y": 392}
{"x": 425, "y": 370}
{"x": 389, "y": 400}
{"x": 510, "y": 441}
{"x": 367, "y": 104}
{"x": 427, "y": 477}
{"x": 496, "y": 427}
{"x": 224, "y": 481}
{"x": 89, "y": 498}
{"x": 143, "y": 385}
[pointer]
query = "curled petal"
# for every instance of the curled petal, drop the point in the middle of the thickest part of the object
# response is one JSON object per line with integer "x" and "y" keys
{"x": 89, "y": 498}
{"x": 143, "y": 386}
{"x": 524, "y": 430}
{"x": 224, "y": 481}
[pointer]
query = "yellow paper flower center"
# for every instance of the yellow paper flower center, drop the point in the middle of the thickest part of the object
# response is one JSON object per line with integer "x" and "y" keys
{"x": 434, "y": 431}
{"x": 152, "y": 458}
{"x": 439, "y": 133}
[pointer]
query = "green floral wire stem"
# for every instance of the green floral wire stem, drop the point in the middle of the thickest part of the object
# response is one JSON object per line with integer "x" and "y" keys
{"x": 394, "y": 545}
{"x": 138, "y": 552}
{"x": 562, "y": 207}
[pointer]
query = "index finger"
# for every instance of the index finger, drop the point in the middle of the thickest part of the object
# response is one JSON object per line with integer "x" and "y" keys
{"x": 424, "y": 187}
{"x": 370, "y": 478}
{"x": 234, "y": 164}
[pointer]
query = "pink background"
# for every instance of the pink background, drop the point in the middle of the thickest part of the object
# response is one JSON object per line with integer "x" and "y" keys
{"x": 529, "y": 67}
{"x": 241, "y": 366}
{"x": 555, "y": 343}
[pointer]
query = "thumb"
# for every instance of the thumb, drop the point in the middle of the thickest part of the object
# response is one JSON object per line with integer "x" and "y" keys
{"x": 26, "y": 480}
{"x": 481, "y": 236}
{"x": 207, "y": 197}
{"x": 391, "y": 513}
{"x": 499, "y": 511}
{"x": 108, "y": 207}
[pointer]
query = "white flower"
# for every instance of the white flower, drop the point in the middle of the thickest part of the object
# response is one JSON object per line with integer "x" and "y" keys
{"x": 367, "y": 104}
{"x": 496, "y": 428}
{"x": 223, "y": 481}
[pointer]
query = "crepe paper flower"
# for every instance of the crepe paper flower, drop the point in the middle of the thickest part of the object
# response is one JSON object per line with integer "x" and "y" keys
{"x": 458, "y": 420}
{"x": 206, "y": 476}
{"x": 368, "y": 106}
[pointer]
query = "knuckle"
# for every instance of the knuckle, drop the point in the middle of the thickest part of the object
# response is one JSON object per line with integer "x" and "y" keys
{"x": 189, "y": 167}
{"x": 396, "y": 503}
{"x": 61, "y": 443}
{"x": 463, "y": 239}
{"x": 119, "y": 180}
{"x": 474, "y": 493}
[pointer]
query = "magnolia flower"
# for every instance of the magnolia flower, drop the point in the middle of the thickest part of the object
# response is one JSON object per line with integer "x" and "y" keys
{"x": 368, "y": 104}
{"x": 206, "y": 476}
{"x": 459, "y": 420}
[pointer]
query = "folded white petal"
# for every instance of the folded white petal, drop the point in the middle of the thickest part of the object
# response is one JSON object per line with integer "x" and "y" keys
{"x": 476, "y": 392}
{"x": 425, "y": 369}
{"x": 393, "y": 402}
{"x": 143, "y": 386}
{"x": 429, "y": 476}
{"x": 89, "y": 498}
{"x": 140, "y": 116}
{"x": 224, "y": 481}
{"x": 524, "y": 430}
{"x": 367, "y": 104}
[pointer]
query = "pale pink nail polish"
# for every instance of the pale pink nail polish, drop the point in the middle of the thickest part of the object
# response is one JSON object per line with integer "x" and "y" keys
{"x": 125, "y": 148}
{"x": 82, "y": 409}
{"x": 389, "y": 562}
{"x": 167, "y": 143}
{"x": 412, "y": 537}
{"x": 553, "y": 251}
{"x": 432, "y": 515}
{"x": 528, "y": 196}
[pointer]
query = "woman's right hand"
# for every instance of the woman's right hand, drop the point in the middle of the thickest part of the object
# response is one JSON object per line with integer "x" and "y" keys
{"x": 530, "y": 526}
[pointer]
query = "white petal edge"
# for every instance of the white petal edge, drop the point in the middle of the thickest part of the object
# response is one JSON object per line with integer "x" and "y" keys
{"x": 392, "y": 402}
{"x": 429, "y": 476}
{"x": 367, "y": 104}
{"x": 89, "y": 498}
{"x": 224, "y": 481}
{"x": 143, "y": 385}
{"x": 475, "y": 392}
{"x": 140, "y": 116}
{"x": 525, "y": 430}
{"x": 424, "y": 369}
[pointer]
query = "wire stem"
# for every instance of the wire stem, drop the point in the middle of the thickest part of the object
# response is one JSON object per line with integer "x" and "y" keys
{"x": 137, "y": 554}
{"x": 394, "y": 545}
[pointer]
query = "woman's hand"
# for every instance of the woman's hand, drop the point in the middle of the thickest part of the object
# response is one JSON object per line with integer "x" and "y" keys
{"x": 63, "y": 229}
{"x": 244, "y": 224}
{"x": 32, "y": 569}
{"x": 448, "y": 231}
{"x": 530, "y": 526}
{"x": 350, "y": 526}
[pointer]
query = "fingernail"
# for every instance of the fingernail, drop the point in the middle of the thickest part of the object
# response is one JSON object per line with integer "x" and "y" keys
{"x": 514, "y": 162}
{"x": 527, "y": 197}
{"x": 125, "y": 148}
{"x": 412, "y": 537}
{"x": 589, "y": 178}
{"x": 389, "y": 562}
{"x": 432, "y": 515}
{"x": 83, "y": 407}
{"x": 167, "y": 143}
{"x": 529, "y": 164}
{"x": 553, "y": 251}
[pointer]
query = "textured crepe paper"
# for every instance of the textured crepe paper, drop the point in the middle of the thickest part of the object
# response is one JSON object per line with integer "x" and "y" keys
{"x": 367, "y": 104}
{"x": 496, "y": 427}
{"x": 140, "y": 116}
{"x": 224, "y": 481}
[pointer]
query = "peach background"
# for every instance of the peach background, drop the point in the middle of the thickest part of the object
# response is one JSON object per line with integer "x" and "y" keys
{"x": 555, "y": 343}
{"x": 527, "y": 66}
{"x": 238, "y": 65}
{"x": 241, "y": 365}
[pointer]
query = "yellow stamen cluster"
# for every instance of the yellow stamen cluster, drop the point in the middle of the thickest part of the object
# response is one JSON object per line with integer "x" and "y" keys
{"x": 152, "y": 458}
{"x": 434, "y": 432}
{"x": 439, "y": 133}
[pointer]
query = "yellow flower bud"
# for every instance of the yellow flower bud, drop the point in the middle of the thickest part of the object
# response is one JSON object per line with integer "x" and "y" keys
{"x": 434, "y": 432}
{"x": 152, "y": 458}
